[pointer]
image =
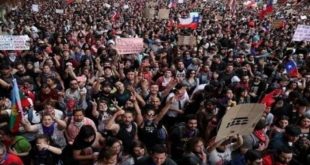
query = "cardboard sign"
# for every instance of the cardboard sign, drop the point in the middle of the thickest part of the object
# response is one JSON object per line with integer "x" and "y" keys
{"x": 116, "y": 4}
{"x": 149, "y": 13}
{"x": 163, "y": 13}
{"x": 218, "y": 18}
{"x": 129, "y": 45}
{"x": 302, "y": 33}
{"x": 240, "y": 119}
{"x": 78, "y": 1}
{"x": 8, "y": 42}
{"x": 187, "y": 40}
{"x": 35, "y": 8}
{"x": 277, "y": 24}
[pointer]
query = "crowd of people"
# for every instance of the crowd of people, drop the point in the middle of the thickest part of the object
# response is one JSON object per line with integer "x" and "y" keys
{"x": 85, "y": 104}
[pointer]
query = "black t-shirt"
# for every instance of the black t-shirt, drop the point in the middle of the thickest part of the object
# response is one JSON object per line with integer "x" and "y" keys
{"x": 149, "y": 161}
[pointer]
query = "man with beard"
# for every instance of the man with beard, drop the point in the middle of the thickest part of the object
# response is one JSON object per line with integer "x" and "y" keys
{"x": 283, "y": 156}
{"x": 152, "y": 130}
{"x": 126, "y": 130}
{"x": 104, "y": 92}
{"x": 181, "y": 71}
{"x": 181, "y": 134}
{"x": 75, "y": 123}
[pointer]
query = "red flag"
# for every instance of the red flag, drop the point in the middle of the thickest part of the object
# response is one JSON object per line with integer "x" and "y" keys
{"x": 267, "y": 10}
{"x": 268, "y": 99}
{"x": 69, "y": 1}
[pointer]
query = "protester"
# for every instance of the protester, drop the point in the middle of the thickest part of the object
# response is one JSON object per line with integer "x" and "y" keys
{"x": 160, "y": 73}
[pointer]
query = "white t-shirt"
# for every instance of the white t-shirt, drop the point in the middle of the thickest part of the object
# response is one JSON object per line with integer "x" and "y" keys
{"x": 218, "y": 158}
{"x": 177, "y": 104}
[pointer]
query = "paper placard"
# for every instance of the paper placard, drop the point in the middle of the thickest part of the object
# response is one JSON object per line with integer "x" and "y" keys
{"x": 277, "y": 24}
{"x": 35, "y": 8}
{"x": 302, "y": 33}
{"x": 218, "y": 18}
{"x": 240, "y": 119}
{"x": 59, "y": 11}
{"x": 303, "y": 17}
{"x": 126, "y": 7}
{"x": 180, "y": 1}
{"x": 149, "y": 13}
{"x": 116, "y": 4}
{"x": 129, "y": 45}
{"x": 187, "y": 40}
{"x": 8, "y": 42}
{"x": 163, "y": 13}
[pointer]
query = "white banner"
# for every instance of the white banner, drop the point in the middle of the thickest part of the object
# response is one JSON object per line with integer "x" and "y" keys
{"x": 59, "y": 11}
{"x": 8, "y": 42}
{"x": 129, "y": 45}
{"x": 302, "y": 33}
{"x": 35, "y": 8}
{"x": 240, "y": 119}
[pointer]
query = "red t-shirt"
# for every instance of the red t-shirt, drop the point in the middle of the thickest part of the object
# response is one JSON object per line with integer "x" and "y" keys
{"x": 12, "y": 160}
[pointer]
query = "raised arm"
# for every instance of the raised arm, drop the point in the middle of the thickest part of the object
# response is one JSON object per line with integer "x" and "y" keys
{"x": 94, "y": 111}
{"x": 139, "y": 117}
{"x": 163, "y": 111}
{"x": 28, "y": 127}
{"x": 112, "y": 125}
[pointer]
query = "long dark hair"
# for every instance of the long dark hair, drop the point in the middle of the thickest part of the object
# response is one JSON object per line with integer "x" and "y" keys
{"x": 86, "y": 131}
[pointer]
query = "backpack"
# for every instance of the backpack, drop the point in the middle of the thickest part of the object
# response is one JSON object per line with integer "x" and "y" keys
{"x": 162, "y": 133}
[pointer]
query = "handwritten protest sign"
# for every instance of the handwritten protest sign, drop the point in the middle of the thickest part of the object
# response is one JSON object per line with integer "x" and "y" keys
{"x": 240, "y": 119}
{"x": 8, "y": 42}
{"x": 180, "y": 1}
{"x": 116, "y": 4}
{"x": 129, "y": 45}
{"x": 35, "y": 8}
{"x": 302, "y": 33}
{"x": 276, "y": 24}
{"x": 163, "y": 13}
{"x": 59, "y": 11}
{"x": 149, "y": 13}
{"x": 303, "y": 17}
{"x": 186, "y": 40}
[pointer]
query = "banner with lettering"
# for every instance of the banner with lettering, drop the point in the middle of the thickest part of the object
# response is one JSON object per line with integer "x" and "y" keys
{"x": 129, "y": 45}
{"x": 187, "y": 40}
{"x": 302, "y": 33}
{"x": 163, "y": 13}
{"x": 240, "y": 119}
{"x": 9, "y": 42}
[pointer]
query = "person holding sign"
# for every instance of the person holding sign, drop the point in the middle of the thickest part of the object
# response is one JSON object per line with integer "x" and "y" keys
{"x": 220, "y": 152}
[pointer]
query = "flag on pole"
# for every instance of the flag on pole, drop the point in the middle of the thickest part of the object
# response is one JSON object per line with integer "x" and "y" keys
{"x": 17, "y": 110}
{"x": 267, "y": 10}
{"x": 291, "y": 68}
{"x": 191, "y": 22}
